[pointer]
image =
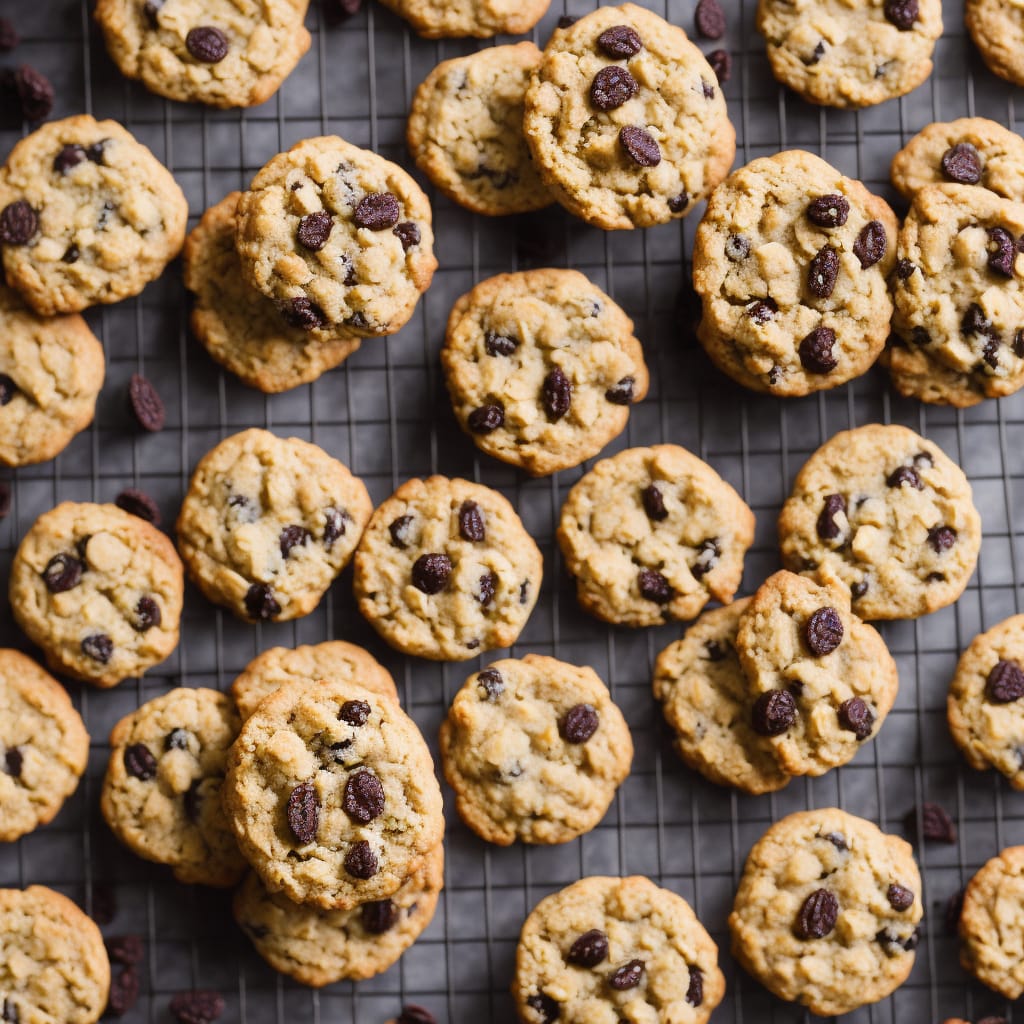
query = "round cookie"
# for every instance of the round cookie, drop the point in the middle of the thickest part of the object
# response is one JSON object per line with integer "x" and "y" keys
{"x": 916, "y": 374}
{"x": 333, "y": 660}
{"x": 986, "y": 701}
{"x": 958, "y": 287}
{"x": 626, "y": 121}
{"x": 332, "y": 795}
{"x": 44, "y": 747}
{"x": 99, "y": 590}
{"x": 997, "y": 28}
{"x": 846, "y": 55}
{"x": 437, "y": 19}
{"x": 338, "y": 237}
{"x": 706, "y": 701}
{"x": 87, "y": 215}
{"x": 53, "y": 965}
{"x": 827, "y": 910}
{"x": 611, "y": 948}
{"x": 886, "y": 515}
{"x": 790, "y": 261}
{"x": 218, "y": 52}
{"x": 319, "y": 947}
{"x": 446, "y": 570}
{"x": 535, "y": 750}
{"x": 465, "y": 131}
{"x": 238, "y": 325}
{"x": 268, "y": 523}
{"x": 653, "y": 534}
{"x": 162, "y": 791}
{"x": 542, "y": 368}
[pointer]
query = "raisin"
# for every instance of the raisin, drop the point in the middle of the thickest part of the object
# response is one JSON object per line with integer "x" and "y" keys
{"x": 260, "y": 602}
{"x": 856, "y": 717}
{"x": 990, "y": 353}
{"x": 941, "y": 538}
{"x": 338, "y": 11}
{"x": 816, "y": 351}
{"x": 399, "y": 530}
{"x": 621, "y": 393}
{"x": 499, "y": 344}
{"x": 548, "y": 1009}
{"x": 486, "y": 419}
{"x": 871, "y": 244}
{"x": 492, "y": 683}
{"x": 579, "y": 723}
{"x": 5, "y": 499}
{"x": 737, "y": 247}
{"x": 774, "y": 713}
{"x": 556, "y": 394}
{"x": 620, "y": 42}
{"x": 192, "y": 799}
{"x": 334, "y": 526}
{"x": 762, "y": 311}
{"x": 9, "y": 1012}
{"x": 364, "y": 797}
{"x": 99, "y": 647}
{"x": 627, "y": 976}
{"x": 824, "y": 631}
{"x": 893, "y": 944}
{"x": 471, "y": 522}
{"x": 653, "y": 586}
{"x": 377, "y": 211}
{"x": 177, "y": 739}
{"x": 611, "y": 87}
{"x": 125, "y": 949}
{"x": 900, "y": 897}
{"x": 407, "y": 233}
{"x": 35, "y": 93}
{"x": 315, "y": 229}
{"x": 14, "y": 759}
{"x": 207, "y": 44}
{"x": 654, "y": 503}
{"x": 715, "y": 651}
{"x": 589, "y": 949}
{"x": 721, "y": 64}
{"x": 838, "y": 840}
{"x": 18, "y": 223}
{"x": 303, "y": 313}
{"x": 828, "y": 528}
{"x": 824, "y": 270}
{"x": 1018, "y": 343}
{"x": 63, "y": 572}
{"x": 695, "y": 990}
{"x": 103, "y": 903}
{"x": 1002, "y": 252}
{"x": 361, "y": 861}
{"x": 139, "y": 762}
{"x": 902, "y": 13}
{"x": 935, "y": 824}
{"x": 829, "y": 211}
{"x": 974, "y": 321}
{"x": 97, "y": 151}
{"x": 198, "y": 1007}
{"x": 962, "y": 163}
{"x": 707, "y": 558}
{"x": 140, "y": 504}
{"x": 709, "y": 19}
{"x": 9, "y": 37}
{"x": 430, "y": 573}
{"x": 355, "y": 713}
{"x": 1005, "y": 683}
{"x": 818, "y": 915}
{"x": 303, "y": 812}
{"x": 146, "y": 404}
{"x": 904, "y": 268}
{"x": 292, "y": 537}
{"x": 904, "y": 475}
{"x": 69, "y": 158}
{"x": 413, "y": 1014}
{"x": 124, "y": 992}
{"x": 708, "y": 90}
{"x": 640, "y": 145}
{"x": 487, "y": 586}
{"x": 378, "y": 916}
{"x": 566, "y": 21}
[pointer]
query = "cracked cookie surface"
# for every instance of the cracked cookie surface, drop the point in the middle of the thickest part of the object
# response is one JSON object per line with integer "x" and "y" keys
{"x": 997, "y": 28}
{"x": 437, "y": 19}
{"x": 916, "y": 374}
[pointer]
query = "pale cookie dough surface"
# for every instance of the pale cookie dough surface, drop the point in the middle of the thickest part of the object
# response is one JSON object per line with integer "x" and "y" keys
{"x": 319, "y": 947}
{"x": 773, "y": 319}
{"x": 155, "y": 41}
{"x": 367, "y": 273}
{"x": 916, "y": 374}
{"x": 639, "y": 569}
{"x": 620, "y": 924}
{"x": 162, "y": 791}
{"x": 53, "y": 965}
{"x": 997, "y": 28}
{"x": 868, "y": 948}
{"x": 238, "y": 325}
{"x": 706, "y": 700}
{"x": 535, "y": 750}
{"x": 107, "y": 216}
{"x": 555, "y": 355}
{"x": 902, "y": 548}
{"x": 268, "y": 523}
{"x": 99, "y": 590}
{"x": 676, "y": 102}
{"x": 436, "y": 19}
{"x": 332, "y": 795}
{"x": 465, "y": 131}
{"x": 44, "y": 747}
{"x": 850, "y": 53}
{"x": 446, "y": 570}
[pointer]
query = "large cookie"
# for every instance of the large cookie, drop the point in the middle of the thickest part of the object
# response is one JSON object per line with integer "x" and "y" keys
{"x": 997, "y": 28}
{"x": 436, "y": 19}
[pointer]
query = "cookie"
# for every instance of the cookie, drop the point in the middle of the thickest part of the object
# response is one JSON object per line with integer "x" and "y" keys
{"x": 790, "y": 261}
{"x": 99, "y": 590}
{"x": 827, "y": 911}
{"x": 437, "y": 19}
{"x": 268, "y": 523}
{"x": 957, "y": 286}
{"x": 997, "y": 28}
{"x": 217, "y": 52}
{"x": 446, "y": 570}
{"x": 319, "y": 947}
{"x": 612, "y": 948}
{"x": 653, "y": 534}
{"x": 162, "y": 791}
{"x": 851, "y": 55}
{"x": 535, "y": 750}
{"x": 53, "y": 965}
{"x": 986, "y": 701}
{"x": 331, "y": 793}
{"x": 706, "y": 700}
{"x": 626, "y": 121}
{"x": 43, "y": 743}
{"x": 338, "y": 237}
{"x": 87, "y": 215}
{"x": 238, "y": 325}
{"x": 916, "y": 374}
{"x": 886, "y": 515}
{"x": 465, "y": 131}
{"x": 542, "y": 368}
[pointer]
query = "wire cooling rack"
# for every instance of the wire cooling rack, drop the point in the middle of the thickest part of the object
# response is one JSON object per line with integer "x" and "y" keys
{"x": 385, "y": 414}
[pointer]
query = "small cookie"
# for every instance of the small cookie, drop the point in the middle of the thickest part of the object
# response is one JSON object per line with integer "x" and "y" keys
{"x": 846, "y": 55}
{"x": 887, "y": 515}
{"x": 87, "y": 215}
{"x": 626, "y": 121}
{"x": 53, "y": 964}
{"x": 218, "y": 52}
{"x": 268, "y": 523}
{"x": 99, "y": 590}
{"x": 997, "y": 28}
{"x": 916, "y": 374}
{"x": 446, "y": 570}
{"x": 827, "y": 911}
{"x": 992, "y": 924}
{"x": 790, "y": 261}
{"x": 162, "y": 791}
{"x": 465, "y": 131}
{"x": 986, "y": 701}
{"x": 653, "y": 534}
{"x": 606, "y": 949}
{"x": 542, "y": 368}
{"x": 338, "y": 237}
{"x": 238, "y": 325}
{"x": 437, "y": 19}
{"x": 331, "y": 793}
{"x": 706, "y": 700}
{"x": 43, "y": 745}
{"x": 535, "y": 750}
{"x": 319, "y": 947}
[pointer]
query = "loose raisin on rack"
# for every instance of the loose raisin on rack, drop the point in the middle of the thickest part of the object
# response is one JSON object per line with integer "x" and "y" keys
{"x": 377, "y": 211}
{"x": 871, "y": 244}
{"x": 1005, "y": 683}
{"x": 414, "y": 1014}
{"x": 9, "y": 37}
{"x": 18, "y": 223}
{"x": 303, "y": 812}
{"x": 146, "y": 404}
{"x": 640, "y": 145}
{"x": 315, "y": 229}
{"x": 139, "y": 762}
{"x": 774, "y": 713}
{"x": 139, "y": 504}
{"x": 338, "y": 11}
{"x": 818, "y": 915}
{"x": 611, "y": 87}
{"x": 829, "y": 211}
{"x": 816, "y": 351}
{"x": 962, "y": 163}
{"x": 207, "y": 44}
{"x": 709, "y": 19}
{"x": 430, "y": 573}
{"x": 35, "y": 93}
{"x": 653, "y": 586}
{"x": 935, "y": 823}
{"x": 471, "y": 522}
{"x": 824, "y": 631}
{"x": 62, "y": 572}
{"x": 124, "y": 992}
{"x": 5, "y": 499}
{"x": 361, "y": 861}
{"x": 125, "y": 949}
{"x": 620, "y": 42}
{"x": 197, "y": 1007}
{"x": 364, "y": 797}
{"x": 589, "y": 949}
{"x": 627, "y": 976}
{"x": 856, "y": 717}
{"x": 579, "y": 723}
{"x": 721, "y": 64}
